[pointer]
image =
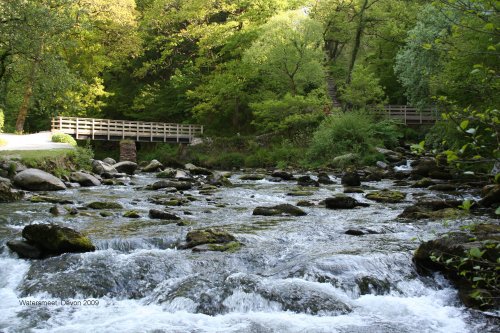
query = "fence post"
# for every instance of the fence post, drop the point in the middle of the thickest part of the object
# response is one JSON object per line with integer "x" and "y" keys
{"x": 177, "y": 133}
{"x": 164, "y": 132}
{"x": 137, "y": 131}
{"x": 108, "y": 129}
{"x": 76, "y": 130}
{"x": 93, "y": 128}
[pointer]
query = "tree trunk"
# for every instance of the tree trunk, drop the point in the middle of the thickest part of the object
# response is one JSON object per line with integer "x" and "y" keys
{"x": 23, "y": 109}
{"x": 357, "y": 40}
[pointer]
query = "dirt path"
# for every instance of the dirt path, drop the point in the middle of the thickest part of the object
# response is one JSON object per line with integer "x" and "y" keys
{"x": 38, "y": 141}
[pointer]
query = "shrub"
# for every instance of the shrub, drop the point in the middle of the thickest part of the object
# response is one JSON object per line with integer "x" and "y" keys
{"x": 64, "y": 138}
{"x": 351, "y": 133}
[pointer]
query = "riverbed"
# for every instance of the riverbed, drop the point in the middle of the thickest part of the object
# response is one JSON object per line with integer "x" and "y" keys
{"x": 292, "y": 274}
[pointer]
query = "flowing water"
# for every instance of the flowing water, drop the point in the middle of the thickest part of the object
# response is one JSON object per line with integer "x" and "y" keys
{"x": 293, "y": 274}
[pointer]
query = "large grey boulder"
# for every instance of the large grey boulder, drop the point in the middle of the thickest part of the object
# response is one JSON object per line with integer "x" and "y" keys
{"x": 84, "y": 179}
{"x": 100, "y": 167}
{"x": 127, "y": 167}
{"x": 38, "y": 180}
{"x": 153, "y": 166}
{"x": 109, "y": 161}
{"x": 196, "y": 170}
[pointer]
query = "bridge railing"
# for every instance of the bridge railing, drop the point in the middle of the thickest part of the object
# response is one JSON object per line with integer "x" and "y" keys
{"x": 409, "y": 115}
{"x": 107, "y": 129}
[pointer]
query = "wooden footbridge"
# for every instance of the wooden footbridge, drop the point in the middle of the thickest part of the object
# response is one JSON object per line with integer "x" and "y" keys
{"x": 117, "y": 130}
{"x": 408, "y": 115}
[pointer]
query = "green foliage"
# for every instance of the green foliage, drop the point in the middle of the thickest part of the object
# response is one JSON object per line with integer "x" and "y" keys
{"x": 364, "y": 89}
{"x": 2, "y": 120}
{"x": 350, "y": 133}
{"x": 3, "y": 142}
{"x": 81, "y": 157}
{"x": 288, "y": 116}
{"x": 63, "y": 138}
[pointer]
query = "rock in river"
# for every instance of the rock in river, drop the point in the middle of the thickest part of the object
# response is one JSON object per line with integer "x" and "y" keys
{"x": 38, "y": 180}
{"x": 127, "y": 167}
{"x": 386, "y": 196}
{"x": 283, "y": 209}
{"x": 84, "y": 179}
{"x": 50, "y": 239}
{"x": 162, "y": 215}
{"x": 215, "y": 239}
{"x": 343, "y": 202}
{"x": 8, "y": 194}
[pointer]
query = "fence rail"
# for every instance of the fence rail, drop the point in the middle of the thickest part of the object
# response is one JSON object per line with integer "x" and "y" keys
{"x": 409, "y": 115}
{"x": 114, "y": 130}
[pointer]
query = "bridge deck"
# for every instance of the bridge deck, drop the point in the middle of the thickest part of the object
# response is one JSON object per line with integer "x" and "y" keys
{"x": 115, "y": 130}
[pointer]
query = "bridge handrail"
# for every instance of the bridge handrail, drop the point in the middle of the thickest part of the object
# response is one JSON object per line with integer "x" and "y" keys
{"x": 409, "y": 114}
{"x": 124, "y": 128}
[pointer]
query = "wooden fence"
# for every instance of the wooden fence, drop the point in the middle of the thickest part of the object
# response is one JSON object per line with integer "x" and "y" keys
{"x": 115, "y": 130}
{"x": 409, "y": 115}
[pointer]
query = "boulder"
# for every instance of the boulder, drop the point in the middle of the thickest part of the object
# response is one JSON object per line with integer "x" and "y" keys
{"x": 208, "y": 236}
{"x": 8, "y": 194}
{"x": 351, "y": 179}
{"x": 424, "y": 166}
{"x": 104, "y": 205}
{"x": 382, "y": 165}
{"x": 343, "y": 202}
{"x": 353, "y": 190}
{"x": 127, "y": 167}
{"x": 52, "y": 239}
{"x": 435, "y": 209}
{"x": 307, "y": 181}
{"x": 218, "y": 179}
{"x": 283, "y": 209}
{"x": 24, "y": 249}
{"x": 84, "y": 179}
{"x": 179, "y": 185}
{"x": 345, "y": 160}
{"x": 132, "y": 214}
{"x": 109, "y": 161}
{"x": 490, "y": 196}
{"x": 254, "y": 176}
{"x": 354, "y": 232}
{"x": 386, "y": 196}
{"x": 423, "y": 183}
{"x": 153, "y": 166}
{"x": 323, "y": 178}
{"x": 162, "y": 215}
{"x": 38, "y": 180}
{"x": 57, "y": 210}
{"x": 196, "y": 170}
{"x": 167, "y": 173}
{"x": 102, "y": 168}
{"x": 469, "y": 259}
{"x": 282, "y": 174}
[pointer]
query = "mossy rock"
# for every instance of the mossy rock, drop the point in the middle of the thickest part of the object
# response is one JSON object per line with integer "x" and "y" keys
{"x": 386, "y": 196}
{"x": 423, "y": 183}
{"x": 132, "y": 214}
{"x": 50, "y": 199}
{"x": 227, "y": 247}
{"x": 104, "y": 205}
{"x": 300, "y": 193}
{"x": 255, "y": 176}
{"x": 105, "y": 214}
{"x": 305, "y": 203}
{"x": 54, "y": 239}
{"x": 283, "y": 209}
{"x": 208, "y": 236}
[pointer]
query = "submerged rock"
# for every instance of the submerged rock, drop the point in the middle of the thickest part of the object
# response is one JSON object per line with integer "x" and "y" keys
{"x": 423, "y": 183}
{"x": 386, "y": 196}
{"x": 51, "y": 199}
{"x": 132, "y": 214}
{"x": 343, "y": 202}
{"x": 51, "y": 239}
{"x": 38, "y": 180}
{"x": 283, "y": 209}
{"x": 443, "y": 188}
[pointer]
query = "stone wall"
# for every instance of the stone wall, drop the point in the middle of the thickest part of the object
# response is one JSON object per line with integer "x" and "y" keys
{"x": 128, "y": 151}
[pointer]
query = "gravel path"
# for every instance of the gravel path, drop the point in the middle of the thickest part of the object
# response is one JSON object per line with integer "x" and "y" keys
{"x": 38, "y": 141}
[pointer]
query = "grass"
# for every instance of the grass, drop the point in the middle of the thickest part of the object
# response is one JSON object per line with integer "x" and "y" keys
{"x": 34, "y": 154}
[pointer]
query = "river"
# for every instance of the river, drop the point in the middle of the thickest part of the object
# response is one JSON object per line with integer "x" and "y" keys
{"x": 293, "y": 274}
